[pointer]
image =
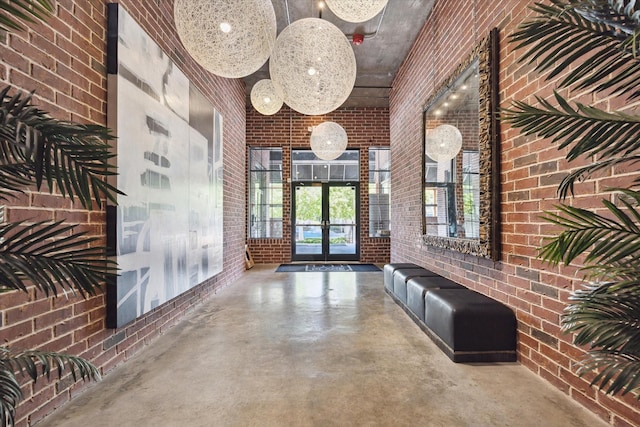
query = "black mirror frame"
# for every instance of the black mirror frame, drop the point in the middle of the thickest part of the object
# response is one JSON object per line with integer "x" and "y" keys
{"x": 489, "y": 244}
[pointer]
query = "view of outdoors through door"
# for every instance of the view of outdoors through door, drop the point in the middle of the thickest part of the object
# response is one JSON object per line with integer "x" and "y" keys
{"x": 325, "y": 211}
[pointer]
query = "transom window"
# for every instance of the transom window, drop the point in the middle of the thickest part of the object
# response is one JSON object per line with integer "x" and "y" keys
{"x": 305, "y": 166}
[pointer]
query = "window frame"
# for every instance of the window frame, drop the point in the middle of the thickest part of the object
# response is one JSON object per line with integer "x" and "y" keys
{"x": 269, "y": 228}
{"x": 375, "y": 233}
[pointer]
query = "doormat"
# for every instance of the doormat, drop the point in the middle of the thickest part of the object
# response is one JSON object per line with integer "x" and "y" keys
{"x": 297, "y": 268}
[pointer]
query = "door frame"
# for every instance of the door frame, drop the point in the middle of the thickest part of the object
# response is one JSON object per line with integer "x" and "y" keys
{"x": 326, "y": 226}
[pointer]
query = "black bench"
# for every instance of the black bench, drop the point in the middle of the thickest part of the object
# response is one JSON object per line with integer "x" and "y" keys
{"x": 417, "y": 287}
{"x": 471, "y": 327}
{"x": 390, "y": 268}
{"x": 467, "y": 326}
{"x": 402, "y": 275}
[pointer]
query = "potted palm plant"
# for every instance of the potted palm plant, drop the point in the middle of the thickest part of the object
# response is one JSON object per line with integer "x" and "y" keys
{"x": 38, "y": 151}
{"x": 593, "y": 45}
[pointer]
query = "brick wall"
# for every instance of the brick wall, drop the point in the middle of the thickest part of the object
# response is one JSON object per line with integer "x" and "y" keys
{"x": 365, "y": 127}
{"x": 64, "y": 60}
{"x": 530, "y": 173}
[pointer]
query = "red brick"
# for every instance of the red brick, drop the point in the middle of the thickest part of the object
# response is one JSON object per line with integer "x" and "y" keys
{"x": 523, "y": 200}
{"x": 64, "y": 61}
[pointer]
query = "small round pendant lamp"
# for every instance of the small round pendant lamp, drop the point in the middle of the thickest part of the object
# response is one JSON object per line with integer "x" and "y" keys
{"x": 312, "y": 66}
{"x": 442, "y": 143}
{"x": 328, "y": 140}
{"x": 230, "y": 38}
{"x": 264, "y": 98}
{"x": 356, "y": 10}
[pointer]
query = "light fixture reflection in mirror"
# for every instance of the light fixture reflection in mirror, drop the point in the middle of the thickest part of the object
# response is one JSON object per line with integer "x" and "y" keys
{"x": 442, "y": 143}
{"x": 461, "y": 167}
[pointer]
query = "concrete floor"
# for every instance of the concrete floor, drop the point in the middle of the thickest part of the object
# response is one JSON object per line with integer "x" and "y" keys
{"x": 311, "y": 349}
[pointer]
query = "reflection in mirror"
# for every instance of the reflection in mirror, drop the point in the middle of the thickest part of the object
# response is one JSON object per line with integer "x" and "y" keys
{"x": 451, "y": 194}
{"x": 460, "y": 197}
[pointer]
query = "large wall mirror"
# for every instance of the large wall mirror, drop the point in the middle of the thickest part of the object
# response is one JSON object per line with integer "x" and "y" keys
{"x": 461, "y": 176}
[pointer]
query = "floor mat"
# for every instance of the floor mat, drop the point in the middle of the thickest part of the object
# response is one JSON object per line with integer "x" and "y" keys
{"x": 295, "y": 268}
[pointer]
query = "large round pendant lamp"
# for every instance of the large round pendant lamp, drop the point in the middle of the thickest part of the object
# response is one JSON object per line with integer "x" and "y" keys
{"x": 312, "y": 66}
{"x": 442, "y": 143}
{"x": 356, "y": 10}
{"x": 264, "y": 98}
{"x": 230, "y": 38}
{"x": 328, "y": 140}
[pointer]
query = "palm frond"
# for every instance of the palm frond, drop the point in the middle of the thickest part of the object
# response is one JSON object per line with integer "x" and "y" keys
{"x": 624, "y": 15}
{"x": 587, "y": 130}
{"x": 624, "y": 273}
{"x": 50, "y": 257}
{"x": 10, "y": 392}
{"x": 605, "y": 240}
{"x": 36, "y": 364}
{"x": 14, "y": 179}
{"x": 566, "y": 186}
{"x": 27, "y": 10}
{"x": 74, "y": 157}
{"x": 616, "y": 373}
{"x": 606, "y": 317}
{"x": 593, "y": 40}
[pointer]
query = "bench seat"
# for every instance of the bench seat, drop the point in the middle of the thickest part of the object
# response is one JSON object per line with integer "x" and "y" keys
{"x": 470, "y": 327}
{"x": 402, "y": 275}
{"x": 390, "y": 268}
{"x": 417, "y": 287}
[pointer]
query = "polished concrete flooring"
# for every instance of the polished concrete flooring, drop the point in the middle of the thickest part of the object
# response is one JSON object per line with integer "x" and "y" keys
{"x": 311, "y": 349}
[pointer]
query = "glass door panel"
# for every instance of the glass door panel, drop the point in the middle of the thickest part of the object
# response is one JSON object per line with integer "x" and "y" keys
{"x": 342, "y": 220}
{"x": 308, "y": 221}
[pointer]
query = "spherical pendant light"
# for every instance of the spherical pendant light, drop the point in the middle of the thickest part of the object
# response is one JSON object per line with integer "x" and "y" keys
{"x": 264, "y": 98}
{"x": 312, "y": 66}
{"x": 356, "y": 10}
{"x": 328, "y": 140}
{"x": 442, "y": 143}
{"x": 230, "y": 38}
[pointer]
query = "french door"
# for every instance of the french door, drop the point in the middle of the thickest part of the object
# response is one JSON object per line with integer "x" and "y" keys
{"x": 325, "y": 221}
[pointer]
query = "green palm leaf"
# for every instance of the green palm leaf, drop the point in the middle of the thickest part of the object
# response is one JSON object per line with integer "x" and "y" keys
{"x": 13, "y": 179}
{"x": 617, "y": 373}
{"x": 587, "y": 130}
{"x": 606, "y": 240}
{"x": 51, "y": 257}
{"x": 624, "y": 274}
{"x": 35, "y": 364}
{"x": 591, "y": 40}
{"x": 593, "y": 44}
{"x": 10, "y": 394}
{"x": 566, "y": 186}
{"x": 606, "y": 317}
{"x": 28, "y": 10}
{"x": 72, "y": 156}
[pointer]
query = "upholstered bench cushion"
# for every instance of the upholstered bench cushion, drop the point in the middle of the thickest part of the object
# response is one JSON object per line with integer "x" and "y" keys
{"x": 417, "y": 287}
{"x": 390, "y": 268}
{"x": 400, "y": 277}
{"x": 471, "y": 327}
